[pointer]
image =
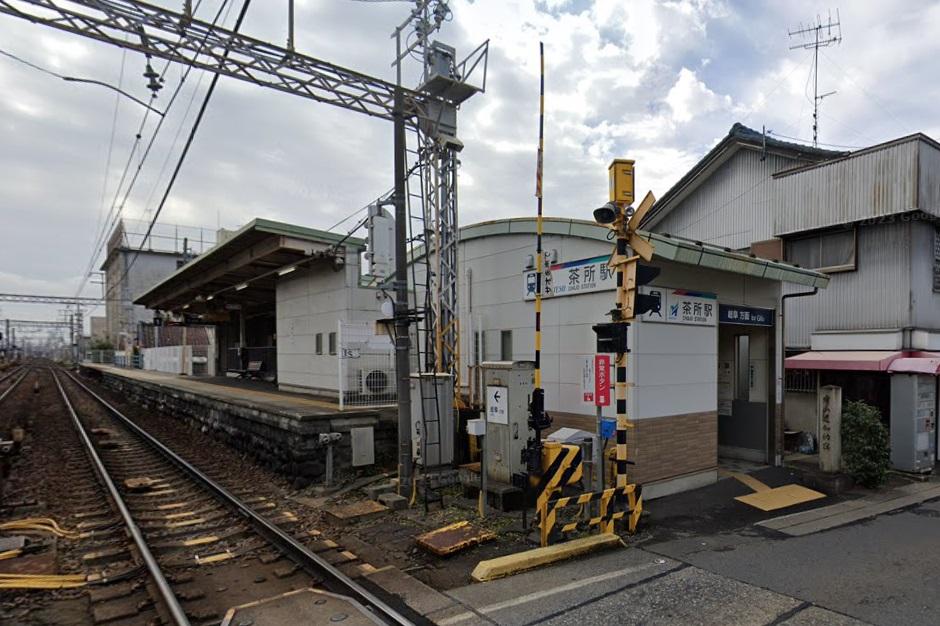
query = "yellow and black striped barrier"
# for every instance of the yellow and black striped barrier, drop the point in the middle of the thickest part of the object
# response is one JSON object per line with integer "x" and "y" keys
{"x": 563, "y": 465}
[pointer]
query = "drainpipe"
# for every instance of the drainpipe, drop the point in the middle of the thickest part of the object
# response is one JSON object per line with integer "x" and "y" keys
{"x": 783, "y": 337}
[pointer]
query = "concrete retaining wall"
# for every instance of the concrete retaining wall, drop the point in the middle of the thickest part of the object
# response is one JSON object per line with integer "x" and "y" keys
{"x": 284, "y": 442}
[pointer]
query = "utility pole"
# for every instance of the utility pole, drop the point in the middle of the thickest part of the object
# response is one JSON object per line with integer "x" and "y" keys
{"x": 813, "y": 37}
{"x": 402, "y": 321}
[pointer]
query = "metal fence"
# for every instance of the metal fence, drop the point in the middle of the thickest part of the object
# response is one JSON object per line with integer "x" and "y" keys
{"x": 366, "y": 366}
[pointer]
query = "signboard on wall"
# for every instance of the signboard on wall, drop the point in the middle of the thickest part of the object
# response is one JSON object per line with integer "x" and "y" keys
{"x": 587, "y": 380}
{"x": 683, "y": 306}
{"x": 745, "y": 315}
{"x": 497, "y": 404}
{"x": 571, "y": 278}
{"x": 602, "y": 380}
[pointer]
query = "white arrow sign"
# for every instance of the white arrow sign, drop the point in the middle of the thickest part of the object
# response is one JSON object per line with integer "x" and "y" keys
{"x": 497, "y": 409}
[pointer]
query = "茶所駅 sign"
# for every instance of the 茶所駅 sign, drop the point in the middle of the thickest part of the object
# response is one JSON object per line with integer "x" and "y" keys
{"x": 572, "y": 278}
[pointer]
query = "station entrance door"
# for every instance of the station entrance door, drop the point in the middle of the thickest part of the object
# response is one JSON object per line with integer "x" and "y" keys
{"x": 745, "y": 382}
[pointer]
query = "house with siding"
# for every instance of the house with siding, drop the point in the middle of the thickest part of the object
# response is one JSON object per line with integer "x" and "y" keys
{"x": 866, "y": 218}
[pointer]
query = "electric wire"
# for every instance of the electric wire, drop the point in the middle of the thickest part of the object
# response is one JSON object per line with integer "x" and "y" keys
{"x": 75, "y": 79}
{"x": 117, "y": 209}
{"x": 182, "y": 157}
{"x": 107, "y": 163}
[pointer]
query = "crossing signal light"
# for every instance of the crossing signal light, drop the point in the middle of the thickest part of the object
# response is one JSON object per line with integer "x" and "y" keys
{"x": 633, "y": 302}
{"x": 611, "y": 338}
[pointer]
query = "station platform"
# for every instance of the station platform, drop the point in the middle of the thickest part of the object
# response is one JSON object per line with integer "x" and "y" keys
{"x": 281, "y": 429}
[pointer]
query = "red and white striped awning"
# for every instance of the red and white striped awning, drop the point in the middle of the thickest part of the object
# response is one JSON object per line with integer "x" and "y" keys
{"x": 850, "y": 360}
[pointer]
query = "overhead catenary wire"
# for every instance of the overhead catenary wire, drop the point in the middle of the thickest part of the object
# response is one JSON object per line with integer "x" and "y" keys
{"x": 117, "y": 208}
{"x": 182, "y": 157}
{"x": 76, "y": 79}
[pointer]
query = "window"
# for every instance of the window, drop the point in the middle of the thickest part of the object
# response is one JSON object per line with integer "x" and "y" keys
{"x": 332, "y": 343}
{"x": 800, "y": 381}
{"x": 505, "y": 345}
{"x": 742, "y": 367}
{"x": 319, "y": 343}
{"x": 828, "y": 252}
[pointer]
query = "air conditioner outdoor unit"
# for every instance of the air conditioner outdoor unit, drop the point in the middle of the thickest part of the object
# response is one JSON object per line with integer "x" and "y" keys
{"x": 374, "y": 382}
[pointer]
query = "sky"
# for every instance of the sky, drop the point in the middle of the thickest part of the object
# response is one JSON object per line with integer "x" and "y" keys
{"x": 657, "y": 81}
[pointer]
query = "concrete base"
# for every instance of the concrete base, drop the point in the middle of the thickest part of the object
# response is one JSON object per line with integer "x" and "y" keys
{"x": 669, "y": 486}
{"x": 263, "y": 424}
{"x": 522, "y": 561}
{"x": 393, "y": 501}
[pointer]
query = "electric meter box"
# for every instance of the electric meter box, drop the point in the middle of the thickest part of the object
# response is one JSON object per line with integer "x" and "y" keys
{"x": 508, "y": 387}
{"x": 913, "y": 422}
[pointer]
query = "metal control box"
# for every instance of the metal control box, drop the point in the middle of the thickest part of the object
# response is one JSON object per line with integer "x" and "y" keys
{"x": 508, "y": 389}
{"x": 432, "y": 419}
{"x": 913, "y": 422}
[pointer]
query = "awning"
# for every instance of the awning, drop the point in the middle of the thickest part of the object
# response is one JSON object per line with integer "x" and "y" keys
{"x": 851, "y": 360}
{"x": 915, "y": 365}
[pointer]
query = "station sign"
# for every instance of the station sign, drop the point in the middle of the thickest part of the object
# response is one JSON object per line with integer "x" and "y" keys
{"x": 745, "y": 315}
{"x": 572, "y": 278}
{"x": 682, "y": 306}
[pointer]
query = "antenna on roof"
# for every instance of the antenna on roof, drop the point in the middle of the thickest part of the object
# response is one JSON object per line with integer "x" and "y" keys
{"x": 817, "y": 35}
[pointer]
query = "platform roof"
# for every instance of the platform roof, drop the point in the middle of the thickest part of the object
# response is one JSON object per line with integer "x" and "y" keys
{"x": 249, "y": 258}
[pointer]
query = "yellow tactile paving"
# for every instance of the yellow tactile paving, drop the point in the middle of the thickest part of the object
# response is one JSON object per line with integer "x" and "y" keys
{"x": 750, "y": 481}
{"x": 780, "y": 497}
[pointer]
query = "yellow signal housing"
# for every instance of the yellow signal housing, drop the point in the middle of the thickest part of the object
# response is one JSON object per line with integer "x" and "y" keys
{"x": 621, "y": 181}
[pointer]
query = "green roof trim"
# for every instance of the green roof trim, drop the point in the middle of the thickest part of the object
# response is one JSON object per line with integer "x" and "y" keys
{"x": 667, "y": 247}
{"x": 301, "y": 232}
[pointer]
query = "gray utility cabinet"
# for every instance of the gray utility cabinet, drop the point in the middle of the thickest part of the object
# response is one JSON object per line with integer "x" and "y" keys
{"x": 913, "y": 422}
{"x": 508, "y": 389}
{"x": 432, "y": 419}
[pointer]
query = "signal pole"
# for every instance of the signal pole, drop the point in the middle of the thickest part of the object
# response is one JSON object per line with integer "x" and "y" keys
{"x": 832, "y": 36}
{"x": 612, "y": 337}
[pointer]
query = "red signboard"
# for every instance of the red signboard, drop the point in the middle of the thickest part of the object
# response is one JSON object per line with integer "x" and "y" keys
{"x": 602, "y": 380}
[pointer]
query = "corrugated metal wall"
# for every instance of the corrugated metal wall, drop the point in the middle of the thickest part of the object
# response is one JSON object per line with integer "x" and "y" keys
{"x": 732, "y": 208}
{"x": 876, "y": 295}
{"x": 868, "y": 186}
{"x": 929, "y": 179}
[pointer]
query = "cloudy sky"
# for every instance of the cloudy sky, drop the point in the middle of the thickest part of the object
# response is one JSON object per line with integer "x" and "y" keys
{"x": 656, "y": 81}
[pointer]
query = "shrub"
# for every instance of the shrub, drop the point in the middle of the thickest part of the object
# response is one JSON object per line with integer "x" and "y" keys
{"x": 865, "y": 451}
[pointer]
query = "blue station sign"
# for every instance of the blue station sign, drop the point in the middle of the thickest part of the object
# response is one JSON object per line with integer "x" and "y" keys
{"x": 746, "y": 315}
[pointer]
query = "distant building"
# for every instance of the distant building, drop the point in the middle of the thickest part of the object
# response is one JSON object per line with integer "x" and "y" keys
{"x": 867, "y": 218}
{"x": 99, "y": 328}
{"x": 129, "y": 271}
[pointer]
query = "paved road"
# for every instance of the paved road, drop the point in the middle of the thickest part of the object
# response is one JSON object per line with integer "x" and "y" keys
{"x": 882, "y": 571}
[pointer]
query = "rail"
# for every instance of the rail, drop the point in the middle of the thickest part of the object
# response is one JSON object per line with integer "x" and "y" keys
{"x": 169, "y": 598}
{"x": 15, "y": 382}
{"x": 303, "y": 556}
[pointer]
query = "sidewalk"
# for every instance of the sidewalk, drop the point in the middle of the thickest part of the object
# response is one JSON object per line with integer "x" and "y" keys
{"x": 826, "y": 517}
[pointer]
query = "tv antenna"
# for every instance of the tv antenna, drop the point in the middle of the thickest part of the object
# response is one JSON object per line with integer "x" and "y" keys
{"x": 816, "y": 35}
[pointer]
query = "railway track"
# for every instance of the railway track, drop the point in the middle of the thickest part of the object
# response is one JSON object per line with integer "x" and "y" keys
{"x": 166, "y": 543}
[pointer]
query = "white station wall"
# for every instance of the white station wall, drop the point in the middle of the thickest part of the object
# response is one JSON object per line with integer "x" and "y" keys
{"x": 673, "y": 367}
{"x": 311, "y": 301}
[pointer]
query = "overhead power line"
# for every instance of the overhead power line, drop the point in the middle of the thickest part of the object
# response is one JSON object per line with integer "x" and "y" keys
{"x": 75, "y": 79}
{"x": 182, "y": 157}
{"x": 117, "y": 208}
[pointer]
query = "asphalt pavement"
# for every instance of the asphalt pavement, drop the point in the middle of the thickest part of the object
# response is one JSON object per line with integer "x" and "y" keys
{"x": 701, "y": 560}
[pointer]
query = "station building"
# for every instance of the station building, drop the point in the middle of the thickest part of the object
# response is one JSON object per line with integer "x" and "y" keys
{"x": 705, "y": 372}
